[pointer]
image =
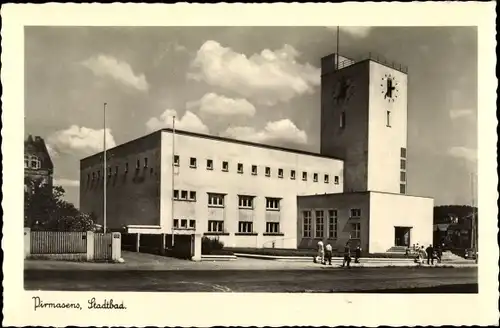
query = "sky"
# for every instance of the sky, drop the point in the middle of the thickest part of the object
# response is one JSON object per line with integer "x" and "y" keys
{"x": 260, "y": 84}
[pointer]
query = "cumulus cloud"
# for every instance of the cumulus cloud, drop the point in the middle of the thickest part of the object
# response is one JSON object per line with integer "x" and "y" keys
{"x": 188, "y": 122}
{"x": 120, "y": 71}
{"x": 267, "y": 78}
{"x": 459, "y": 113}
{"x": 80, "y": 139}
{"x": 66, "y": 182}
{"x": 278, "y": 132}
{"x": 469, "y": 154}
{"x": 214, "y": 104}
{"x": 356, "y": 31}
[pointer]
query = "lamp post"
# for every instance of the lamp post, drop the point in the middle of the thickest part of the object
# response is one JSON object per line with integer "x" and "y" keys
{"x": 105, "y": 171}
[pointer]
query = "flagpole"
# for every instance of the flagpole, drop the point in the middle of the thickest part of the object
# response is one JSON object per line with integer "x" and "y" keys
{"x": 173, "y": 175}
{"x": 105, "y": 170}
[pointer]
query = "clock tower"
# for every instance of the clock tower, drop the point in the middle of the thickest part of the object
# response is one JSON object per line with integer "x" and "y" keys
{"x": 364, "y": 121}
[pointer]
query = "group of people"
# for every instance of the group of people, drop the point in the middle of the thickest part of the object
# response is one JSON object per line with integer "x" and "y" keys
{"x": 325, "y": 254}
{"x": 430, "y": 253}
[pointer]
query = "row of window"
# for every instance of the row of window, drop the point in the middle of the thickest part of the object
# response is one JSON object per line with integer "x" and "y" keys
{"x": 32, "y": 162}
{"x": 217, "y": 226}
{"x": 402, "y": 178}
{"x": 110, "y": 171}
{"x": 342, "y": 122}
{"x": 332, "y": 217}
{"x": 218, "y": 200}
{"x": 193, "y": 163}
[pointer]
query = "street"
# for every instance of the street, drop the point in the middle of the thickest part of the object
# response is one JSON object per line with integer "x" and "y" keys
{"x": 328, "y": 279}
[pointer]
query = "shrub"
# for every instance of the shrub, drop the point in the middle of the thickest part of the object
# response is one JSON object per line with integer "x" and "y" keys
{"x": 211, "y": 246}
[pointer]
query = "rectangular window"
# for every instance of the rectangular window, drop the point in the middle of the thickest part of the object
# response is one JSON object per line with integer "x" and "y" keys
{"x": 192, "y": 195}
{"x": 272, "y": 204}
{"x": 176, "y": 194}
{"x": 254, "y": 169}
{"x": 402, "y": 188}
{"x": 307, "y": 221}
{"x": 192, "y": 224}
{"x": 292, "y": 174}
{"x": 225, "y": 166}
{"x": 280, "y": 173}
{"x": 245, "y": 202}
{"x": 184, "y": 194}
{"x": 138, "y": 164}
{"x": 304, "y": 176}
{"x": 268, "y": 171}
{"x": 403, "y": 152}
{"x": 356, "y": 231}
{"x": 403, "y": 164}
{"x": 327, "y": 178}
{"x": 272, "y": 227}
{"x": 146, "y": 163}
{"x": 342, "y": 120}
{"x": 402, "y": 176}
{"x": 388, "y": 119}
{"x": 176, "y": 160}
{"x": 336, "y": 180}
{"x": 210, "y": 164}
{"x": 192, "y": 162}
{"x": 126, "y": 167}
{"x": 245, "y": 227}
{"x": 184, "y": 223}
{"x": 176, "y": 223}
{"x": 215, "y": 226}
{"x": 240, "y": 168}
{"x": 216, "y": 200}
{"x": 320, "y": 225}
{"x": 332, "y": 224}
{"x": 315, "y": 177}
{"x": 355, "y": 213}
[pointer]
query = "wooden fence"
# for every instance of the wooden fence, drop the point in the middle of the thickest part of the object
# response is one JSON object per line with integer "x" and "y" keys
{"x": 58, "y": 242}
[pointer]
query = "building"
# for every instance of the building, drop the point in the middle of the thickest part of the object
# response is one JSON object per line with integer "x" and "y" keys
{"x": 254, "y": 195}
{"x": 38, "y": 165}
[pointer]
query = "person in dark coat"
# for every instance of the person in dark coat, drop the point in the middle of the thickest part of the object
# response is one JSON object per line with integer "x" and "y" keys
{"x": 430, "y": 255}
{"x": 439, "y": 253}
{"x": 347, "y": 256}
{"x": 357, "y": 254}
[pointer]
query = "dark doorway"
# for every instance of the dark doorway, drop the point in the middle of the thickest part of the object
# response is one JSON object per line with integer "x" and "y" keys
{"x": 402, "y": 236}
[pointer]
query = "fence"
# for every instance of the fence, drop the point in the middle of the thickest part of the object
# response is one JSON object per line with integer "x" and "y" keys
{"x": 83, "y": 246}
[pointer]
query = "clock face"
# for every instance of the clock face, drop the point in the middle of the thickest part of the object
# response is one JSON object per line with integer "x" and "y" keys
{"x": 344, "y": 90}
{"x": 389, "y": 88}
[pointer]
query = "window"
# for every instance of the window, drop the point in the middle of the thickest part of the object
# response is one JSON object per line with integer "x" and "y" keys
{"x": 192, "y": 195}
{"x": 388, "y": 119}
{"x": 138, "y": 164}
{"x": 272, "y": 227}
{"x": 216, "y": 200}
{"x": 403, "y": 152}
{"x": 215, "y": 226}
{"x": 307, "y": 221}
{"x": 356, "y": 230}
{"x": 332, "y": 223}
{"x": 192, "y": 162}
{"x": 327, "y": 178}
{"x": 268, "y": 171}
{"x": 403, "y": 176}
{"x": 315, "y": 177}
{"x": 184, "y": 194}
{"x": 304, "y": 176}
{"x": 225, "y": 166}
{"x": 403, "y": 164}
{"x": 210, "y": 164}
{"x": 192, "y": 224}
{"x": 176, "y": 160}
{"x": 32, "y": 162}
{"x": 245, "y": 227}
{"x": 176, "y": 194}
{"x": 240, "y": 168}
{"x": 320, "y": 225}
{"x": 402, "y": 188}
{"x": 336, "y": 180}
{"x": 280, "y": 173}
{"x": 126, "y": 167}
{"x": 26, "y": 161}
{"x": 355, "y": 213}
{"x": 184, "y": 223}
{"x": 272, "y": 203}
{"x": 245, "y": 202}
{"x": 145, "y": 162}
{"x": 109, "y": 171}
{"x": 292, "y": 174}
{"x": 176, "y": 223}
{"x": 254, "y": 169}
{"x": 342, "y": 120}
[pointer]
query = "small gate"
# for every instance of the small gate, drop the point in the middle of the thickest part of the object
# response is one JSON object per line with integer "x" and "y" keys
{"x": 102, "y": 246}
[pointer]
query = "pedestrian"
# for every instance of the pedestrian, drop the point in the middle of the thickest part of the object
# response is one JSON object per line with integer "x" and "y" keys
{"x": 439, "y": 253}
{"x": 321, "y": 252}
{"x": 347, "y": 256}
{"x": 430, "y": 255}
{"x": 421, "y": 255}
{"x": 357, "y": 254}
{"x": 328, "y": 254}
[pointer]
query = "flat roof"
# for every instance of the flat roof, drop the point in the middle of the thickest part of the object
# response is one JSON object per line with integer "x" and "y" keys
{"x": 363, "y": 192}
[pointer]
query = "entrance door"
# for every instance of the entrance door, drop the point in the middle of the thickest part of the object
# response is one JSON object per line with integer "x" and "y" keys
{"x": 402, "y": 236}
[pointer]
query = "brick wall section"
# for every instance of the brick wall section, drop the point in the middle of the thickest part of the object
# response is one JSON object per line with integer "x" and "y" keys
{"x": 133, "y": 197}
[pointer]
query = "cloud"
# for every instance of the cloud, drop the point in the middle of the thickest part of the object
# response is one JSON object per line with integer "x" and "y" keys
{"x": 67, "y": 182}
{"x": 80, "y": 139}
{"x": 356, "y": 31}
{"x": 214, "y": 104}
{"x": 120, "y": 71}
{"x": 266, "y": 78}
{"x": 278, "y": 132}
{"x": 459, "y": 113}
{"x": 188, "y": 122}
{"x": 463, "y": 152}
